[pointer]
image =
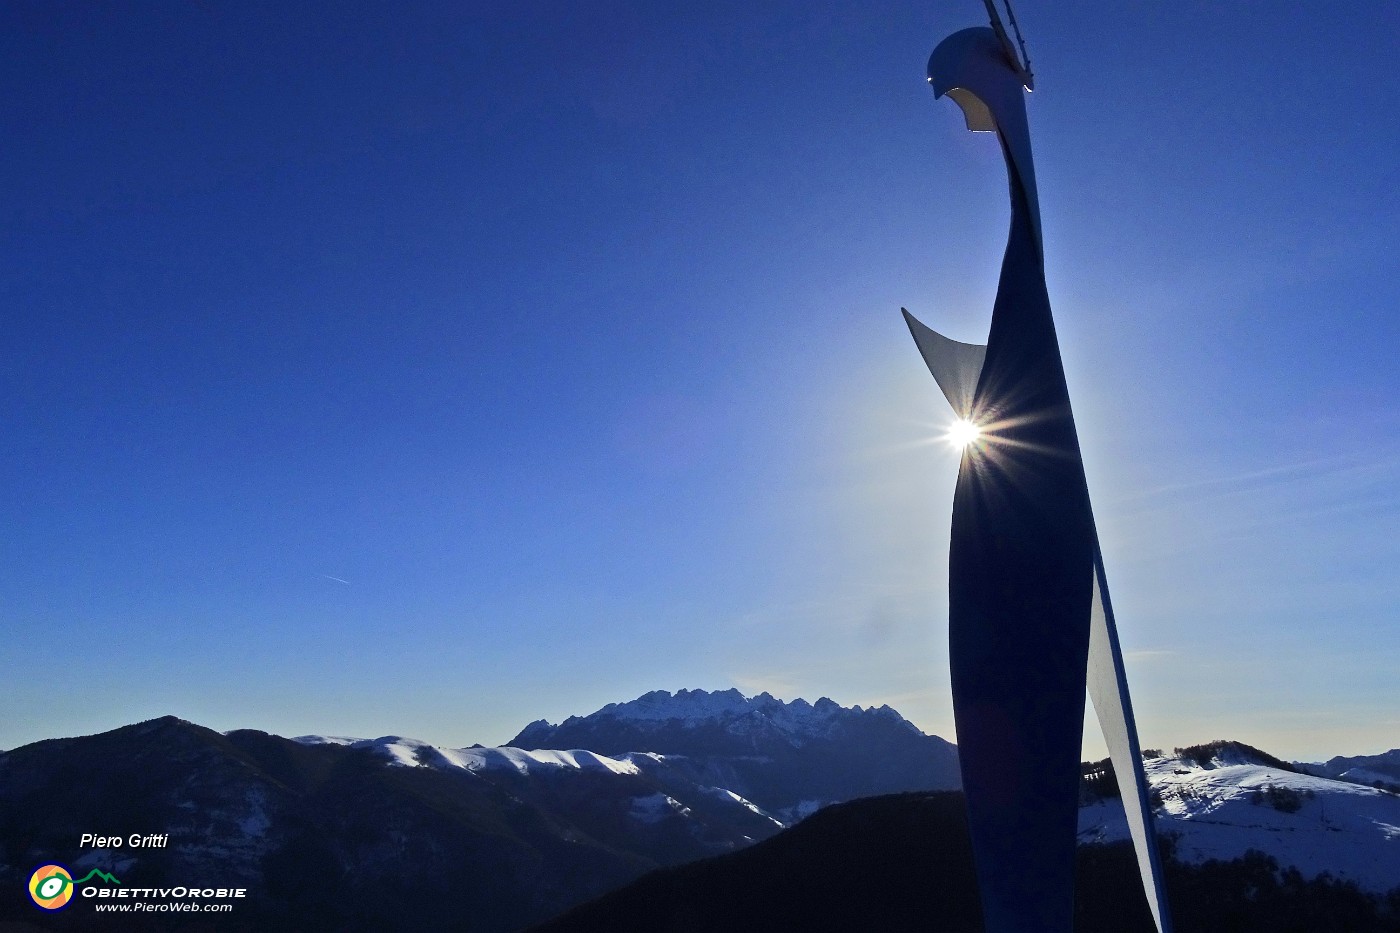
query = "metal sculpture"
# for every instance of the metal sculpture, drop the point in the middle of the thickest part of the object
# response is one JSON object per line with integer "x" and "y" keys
{"x": 1029, "y": 619}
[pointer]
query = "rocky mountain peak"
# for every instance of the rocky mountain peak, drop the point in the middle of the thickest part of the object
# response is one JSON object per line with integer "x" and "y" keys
{"x": 726, "y": 723}
{"x": 728, "y": 710}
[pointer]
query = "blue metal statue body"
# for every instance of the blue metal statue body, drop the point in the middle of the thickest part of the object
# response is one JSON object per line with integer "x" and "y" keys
{"x": 1029, "y": 621}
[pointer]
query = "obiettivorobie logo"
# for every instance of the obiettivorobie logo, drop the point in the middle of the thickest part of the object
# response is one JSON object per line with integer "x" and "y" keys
{"x": 51, "y": 886}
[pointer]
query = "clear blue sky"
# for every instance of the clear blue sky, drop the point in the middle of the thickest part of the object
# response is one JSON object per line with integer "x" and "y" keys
{"x": 429, "y": 368}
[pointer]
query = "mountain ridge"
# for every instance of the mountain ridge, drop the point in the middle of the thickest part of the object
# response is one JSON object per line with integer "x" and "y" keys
{"x": 543, "y": 829}
{"x": 1381, "y": 770}
{"x": 798, "y": 719}
{"x": 789, "y": 757}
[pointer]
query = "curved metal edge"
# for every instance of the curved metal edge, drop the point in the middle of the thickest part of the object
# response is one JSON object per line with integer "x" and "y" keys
{"x": 970, "y": 67}
{"x": 956, "y": 366}
{"x": 1108, "y": 689}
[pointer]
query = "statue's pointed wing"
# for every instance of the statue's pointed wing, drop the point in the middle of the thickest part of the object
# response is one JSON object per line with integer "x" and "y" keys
{"x": 1108, "y": 689}
{"x": 955, "y": 365}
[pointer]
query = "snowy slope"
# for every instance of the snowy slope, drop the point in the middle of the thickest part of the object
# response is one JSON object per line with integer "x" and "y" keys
{"x": 713, "y": 753}
{"x": 1230, "y": 804}
{"x": 645, "y": 785}
{"x": 415, "y": 753}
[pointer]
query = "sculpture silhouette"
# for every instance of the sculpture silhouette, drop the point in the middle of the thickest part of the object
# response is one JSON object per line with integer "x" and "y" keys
{"x": 1029, "y": 620}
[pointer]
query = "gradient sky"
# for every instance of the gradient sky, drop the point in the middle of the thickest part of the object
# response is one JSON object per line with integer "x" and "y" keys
{"x": 430, "y": 368}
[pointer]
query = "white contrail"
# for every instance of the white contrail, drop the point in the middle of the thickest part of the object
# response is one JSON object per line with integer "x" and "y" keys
{"x": 336, "y": 579}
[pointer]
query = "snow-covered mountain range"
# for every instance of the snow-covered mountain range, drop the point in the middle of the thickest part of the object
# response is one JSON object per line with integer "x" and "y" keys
{"x": 1381, "y": 770}
{"x": 566, "y": 812}
{"x": 761, "y": 755}
{"x": 1221, "y": 800}
{"x": 329, "y": 828}
{"x": 662, "y": 715}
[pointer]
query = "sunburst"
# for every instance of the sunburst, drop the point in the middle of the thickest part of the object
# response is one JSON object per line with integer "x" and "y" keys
{"x": 962, "y": 433}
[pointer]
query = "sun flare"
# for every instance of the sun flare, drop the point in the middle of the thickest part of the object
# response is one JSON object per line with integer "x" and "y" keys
{"x": 962, "y": 432}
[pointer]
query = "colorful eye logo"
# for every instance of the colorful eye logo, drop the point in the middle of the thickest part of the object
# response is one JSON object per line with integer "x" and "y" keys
{"x": 51, "y": 887}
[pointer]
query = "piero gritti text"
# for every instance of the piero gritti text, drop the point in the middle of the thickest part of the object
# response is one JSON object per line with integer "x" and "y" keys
{"x": 134, "y": 841}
